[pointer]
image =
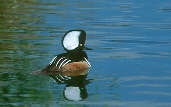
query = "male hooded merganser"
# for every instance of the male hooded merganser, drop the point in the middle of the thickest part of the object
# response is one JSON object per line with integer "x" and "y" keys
{"x": 67, "y": 66}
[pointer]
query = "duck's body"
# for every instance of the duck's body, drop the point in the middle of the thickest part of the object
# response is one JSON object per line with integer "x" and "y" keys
{"x": 65, "y": 66}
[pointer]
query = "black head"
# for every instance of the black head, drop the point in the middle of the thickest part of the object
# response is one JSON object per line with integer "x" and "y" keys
{"x": 74, "y": 40}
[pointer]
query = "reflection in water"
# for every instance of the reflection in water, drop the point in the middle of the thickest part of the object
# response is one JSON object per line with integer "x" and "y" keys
{"x": 17, "y": 54}
{"x": 76, "y": 89}
{"x": 15, "y": 16}
{"x": 73, "y": 74}
{"x": 19, "y": 87}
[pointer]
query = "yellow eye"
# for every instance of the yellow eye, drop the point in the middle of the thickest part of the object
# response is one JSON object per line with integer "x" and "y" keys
{"x": 81, "y": 44}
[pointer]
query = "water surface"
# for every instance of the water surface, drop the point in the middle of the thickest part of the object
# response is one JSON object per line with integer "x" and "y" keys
{"x": 130, "y": 59}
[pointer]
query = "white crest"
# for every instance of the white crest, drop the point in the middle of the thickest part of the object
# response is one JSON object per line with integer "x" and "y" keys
{"x": 72, "y": 93}
{"x": 71, "y": 40}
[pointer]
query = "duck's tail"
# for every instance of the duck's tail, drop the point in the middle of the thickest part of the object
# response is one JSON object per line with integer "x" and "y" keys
{"x": 37, "y": 72}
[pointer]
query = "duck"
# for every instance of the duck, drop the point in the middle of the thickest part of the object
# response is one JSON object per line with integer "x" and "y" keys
{"x": 72, "y": 64}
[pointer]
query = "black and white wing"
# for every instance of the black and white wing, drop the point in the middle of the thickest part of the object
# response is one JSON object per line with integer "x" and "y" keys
{"x": 57, "y": 63}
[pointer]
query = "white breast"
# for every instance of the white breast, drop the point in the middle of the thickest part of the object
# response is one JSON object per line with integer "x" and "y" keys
{"x": 71, "y": 40}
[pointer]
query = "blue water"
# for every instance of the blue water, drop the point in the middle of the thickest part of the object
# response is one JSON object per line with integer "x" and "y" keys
{"x": 130, "y": 59}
